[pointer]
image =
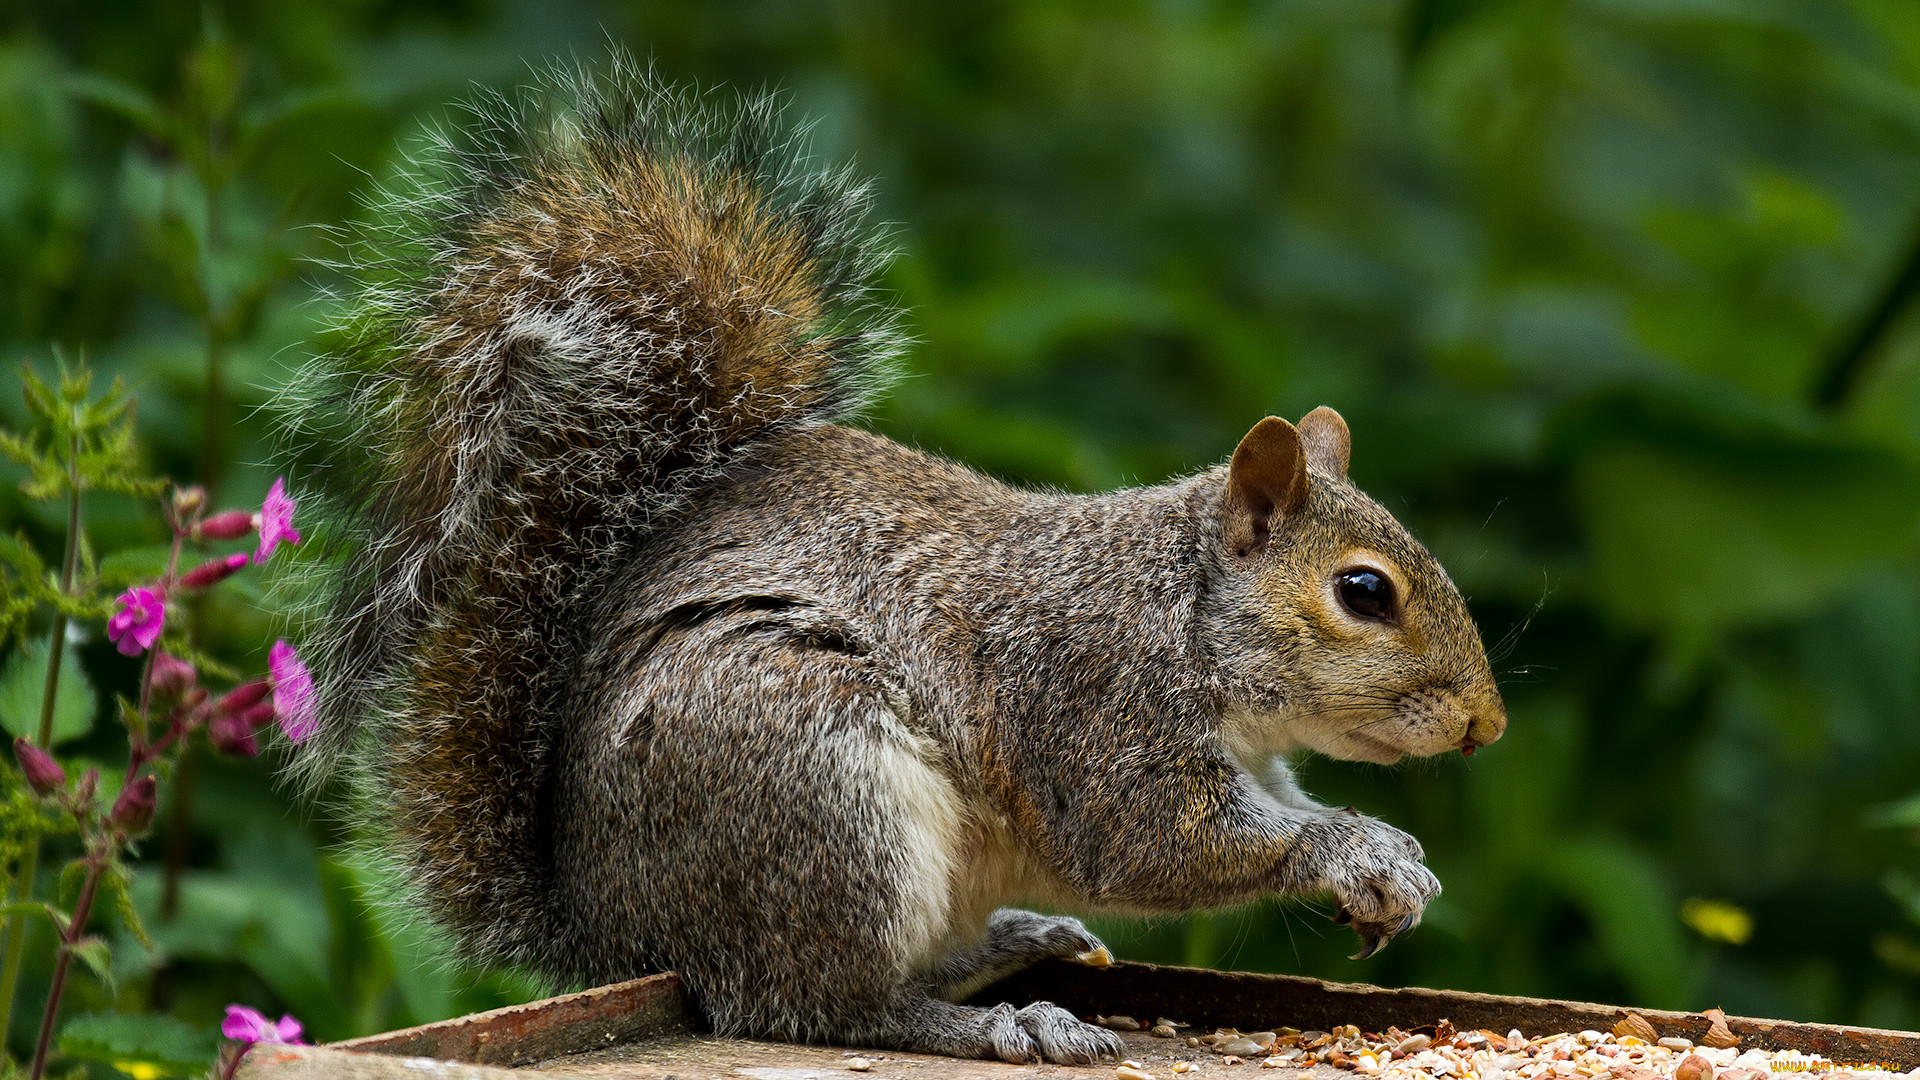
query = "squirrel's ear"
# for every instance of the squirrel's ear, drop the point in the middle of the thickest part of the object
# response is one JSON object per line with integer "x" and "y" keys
{"x": 1328, "y": 442}
{"x": 1266, "y": 481}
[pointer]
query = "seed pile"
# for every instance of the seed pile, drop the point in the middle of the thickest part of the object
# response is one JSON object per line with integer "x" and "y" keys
{"x": 1631, "y": 1051}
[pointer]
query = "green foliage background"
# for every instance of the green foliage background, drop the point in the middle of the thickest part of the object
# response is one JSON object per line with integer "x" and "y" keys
{"x": 1612, "y": 293}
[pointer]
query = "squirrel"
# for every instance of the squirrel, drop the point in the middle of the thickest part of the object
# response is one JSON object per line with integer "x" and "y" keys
{"x": 640, "y": 658}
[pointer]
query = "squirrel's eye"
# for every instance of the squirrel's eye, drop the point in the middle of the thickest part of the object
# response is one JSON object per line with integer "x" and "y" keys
{"x": 1366, "y": 593}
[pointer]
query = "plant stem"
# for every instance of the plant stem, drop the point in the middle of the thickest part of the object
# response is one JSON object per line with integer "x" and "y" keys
{"x": 1848, "y": 366}
{"x": 82, "y": 909}
{"x": 180, "y": 810}
{"x": 16, "y": 939}
{"x": 140, "y": 737}
{"x": 100, "y": 856}
{"x": 56, "y": 648}
{"x": 183, "y": 775}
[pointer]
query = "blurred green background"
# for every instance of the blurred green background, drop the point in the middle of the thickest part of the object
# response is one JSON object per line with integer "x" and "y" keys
{"x": 1613, "y": 294}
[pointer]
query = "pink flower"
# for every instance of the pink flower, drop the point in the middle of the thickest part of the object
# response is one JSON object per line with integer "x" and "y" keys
{"x": 136, "y": 626}
{"x": 293, "y": 704}
{"x": 248, "y": 1026}
{"x": 276, "y": 520}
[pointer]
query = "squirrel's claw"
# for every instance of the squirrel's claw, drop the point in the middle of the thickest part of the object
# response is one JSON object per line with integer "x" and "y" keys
{"x": 1374, "y": 936}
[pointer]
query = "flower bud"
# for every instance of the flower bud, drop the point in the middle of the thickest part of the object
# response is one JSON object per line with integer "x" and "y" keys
{"x": 232, "y": 734}
{"x": 133, "y": 810}
{"x": 243, "y": 697}
{"x": 256, "y": 715}
{"x": 213, "y": 571}
{"x": 89, "y": 787}
{"x": 172, "y": 677}
{"x": 188, "y": 501}
{"x": 44, "y": 775}
{"x": 230, "y": 525}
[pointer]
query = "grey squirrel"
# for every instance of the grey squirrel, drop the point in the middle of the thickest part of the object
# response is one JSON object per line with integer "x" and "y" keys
{"x": 639, "y": 660}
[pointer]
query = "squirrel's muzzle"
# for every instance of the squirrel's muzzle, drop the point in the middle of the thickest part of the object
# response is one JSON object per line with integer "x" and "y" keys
{"x": 1489, "y": 722}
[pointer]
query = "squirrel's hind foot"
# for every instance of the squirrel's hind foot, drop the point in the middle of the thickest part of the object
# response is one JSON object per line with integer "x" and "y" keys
{"x": 1039, "y": 1032}
{"x": 1047, "y": 1032}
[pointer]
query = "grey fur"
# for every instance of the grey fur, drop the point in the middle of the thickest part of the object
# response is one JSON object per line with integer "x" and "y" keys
{"x": 669, "y": 679}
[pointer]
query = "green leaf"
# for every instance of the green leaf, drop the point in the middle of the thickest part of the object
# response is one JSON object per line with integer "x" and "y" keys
{"x": 1703, "y": 535}
{"x": 1790, "y": 210}
{"x": 23, "y": 686}
{"x": 27, "y": 907}
{"x": 1902, "y": 814}
{"x": 135, "y": 564}
{"x": 21, "y": 449}
{"x": 1626, "y": 896}
{"x": 129, "y": 101}
{"x": 1427, "y": 21}
{"x": 16, "y": 612}
{"x": 76, "y": 382}
{"x": 111, "y": 408}
{"x": 19, "y": 554}
{"x": 101, "y": 431}
{"x": 116, "y": 884}
{"x": 1905, "y": 890}
{"x": 172, "y": 1046}
{"x": 94, "y": 953}
{"x": 46, "y": 480}
{"x": 71, "y": 875}
{"x": 39, "y": 396}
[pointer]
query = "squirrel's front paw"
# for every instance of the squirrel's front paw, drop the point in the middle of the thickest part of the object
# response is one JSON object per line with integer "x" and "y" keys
{"x": 1375, "y": 873}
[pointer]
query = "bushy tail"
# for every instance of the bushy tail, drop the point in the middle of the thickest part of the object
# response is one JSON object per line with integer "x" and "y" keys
{"x": 570, "y": 312}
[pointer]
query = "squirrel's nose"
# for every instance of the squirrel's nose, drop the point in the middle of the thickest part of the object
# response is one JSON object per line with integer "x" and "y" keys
{"x": 1488, "y": 723}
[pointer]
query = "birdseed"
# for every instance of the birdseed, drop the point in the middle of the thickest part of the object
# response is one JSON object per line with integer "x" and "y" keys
{"x": 1444, "y": 1053}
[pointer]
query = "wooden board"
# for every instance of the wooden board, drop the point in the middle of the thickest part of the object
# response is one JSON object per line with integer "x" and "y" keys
{"x": 705, "y": 1057}
{"x": 621, "y": 1014}
{"x": 644, "y": 1030}
{"x": 692, "y": 1056}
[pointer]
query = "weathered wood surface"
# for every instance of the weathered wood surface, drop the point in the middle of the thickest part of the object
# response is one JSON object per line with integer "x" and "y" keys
{"x": 327, "y": 1063}
{"x": 643, "y": 1030}
{"x": 691, "y": 1056}
{"x": 705, "y": 1057}
{"x": 613, "y": 1015}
